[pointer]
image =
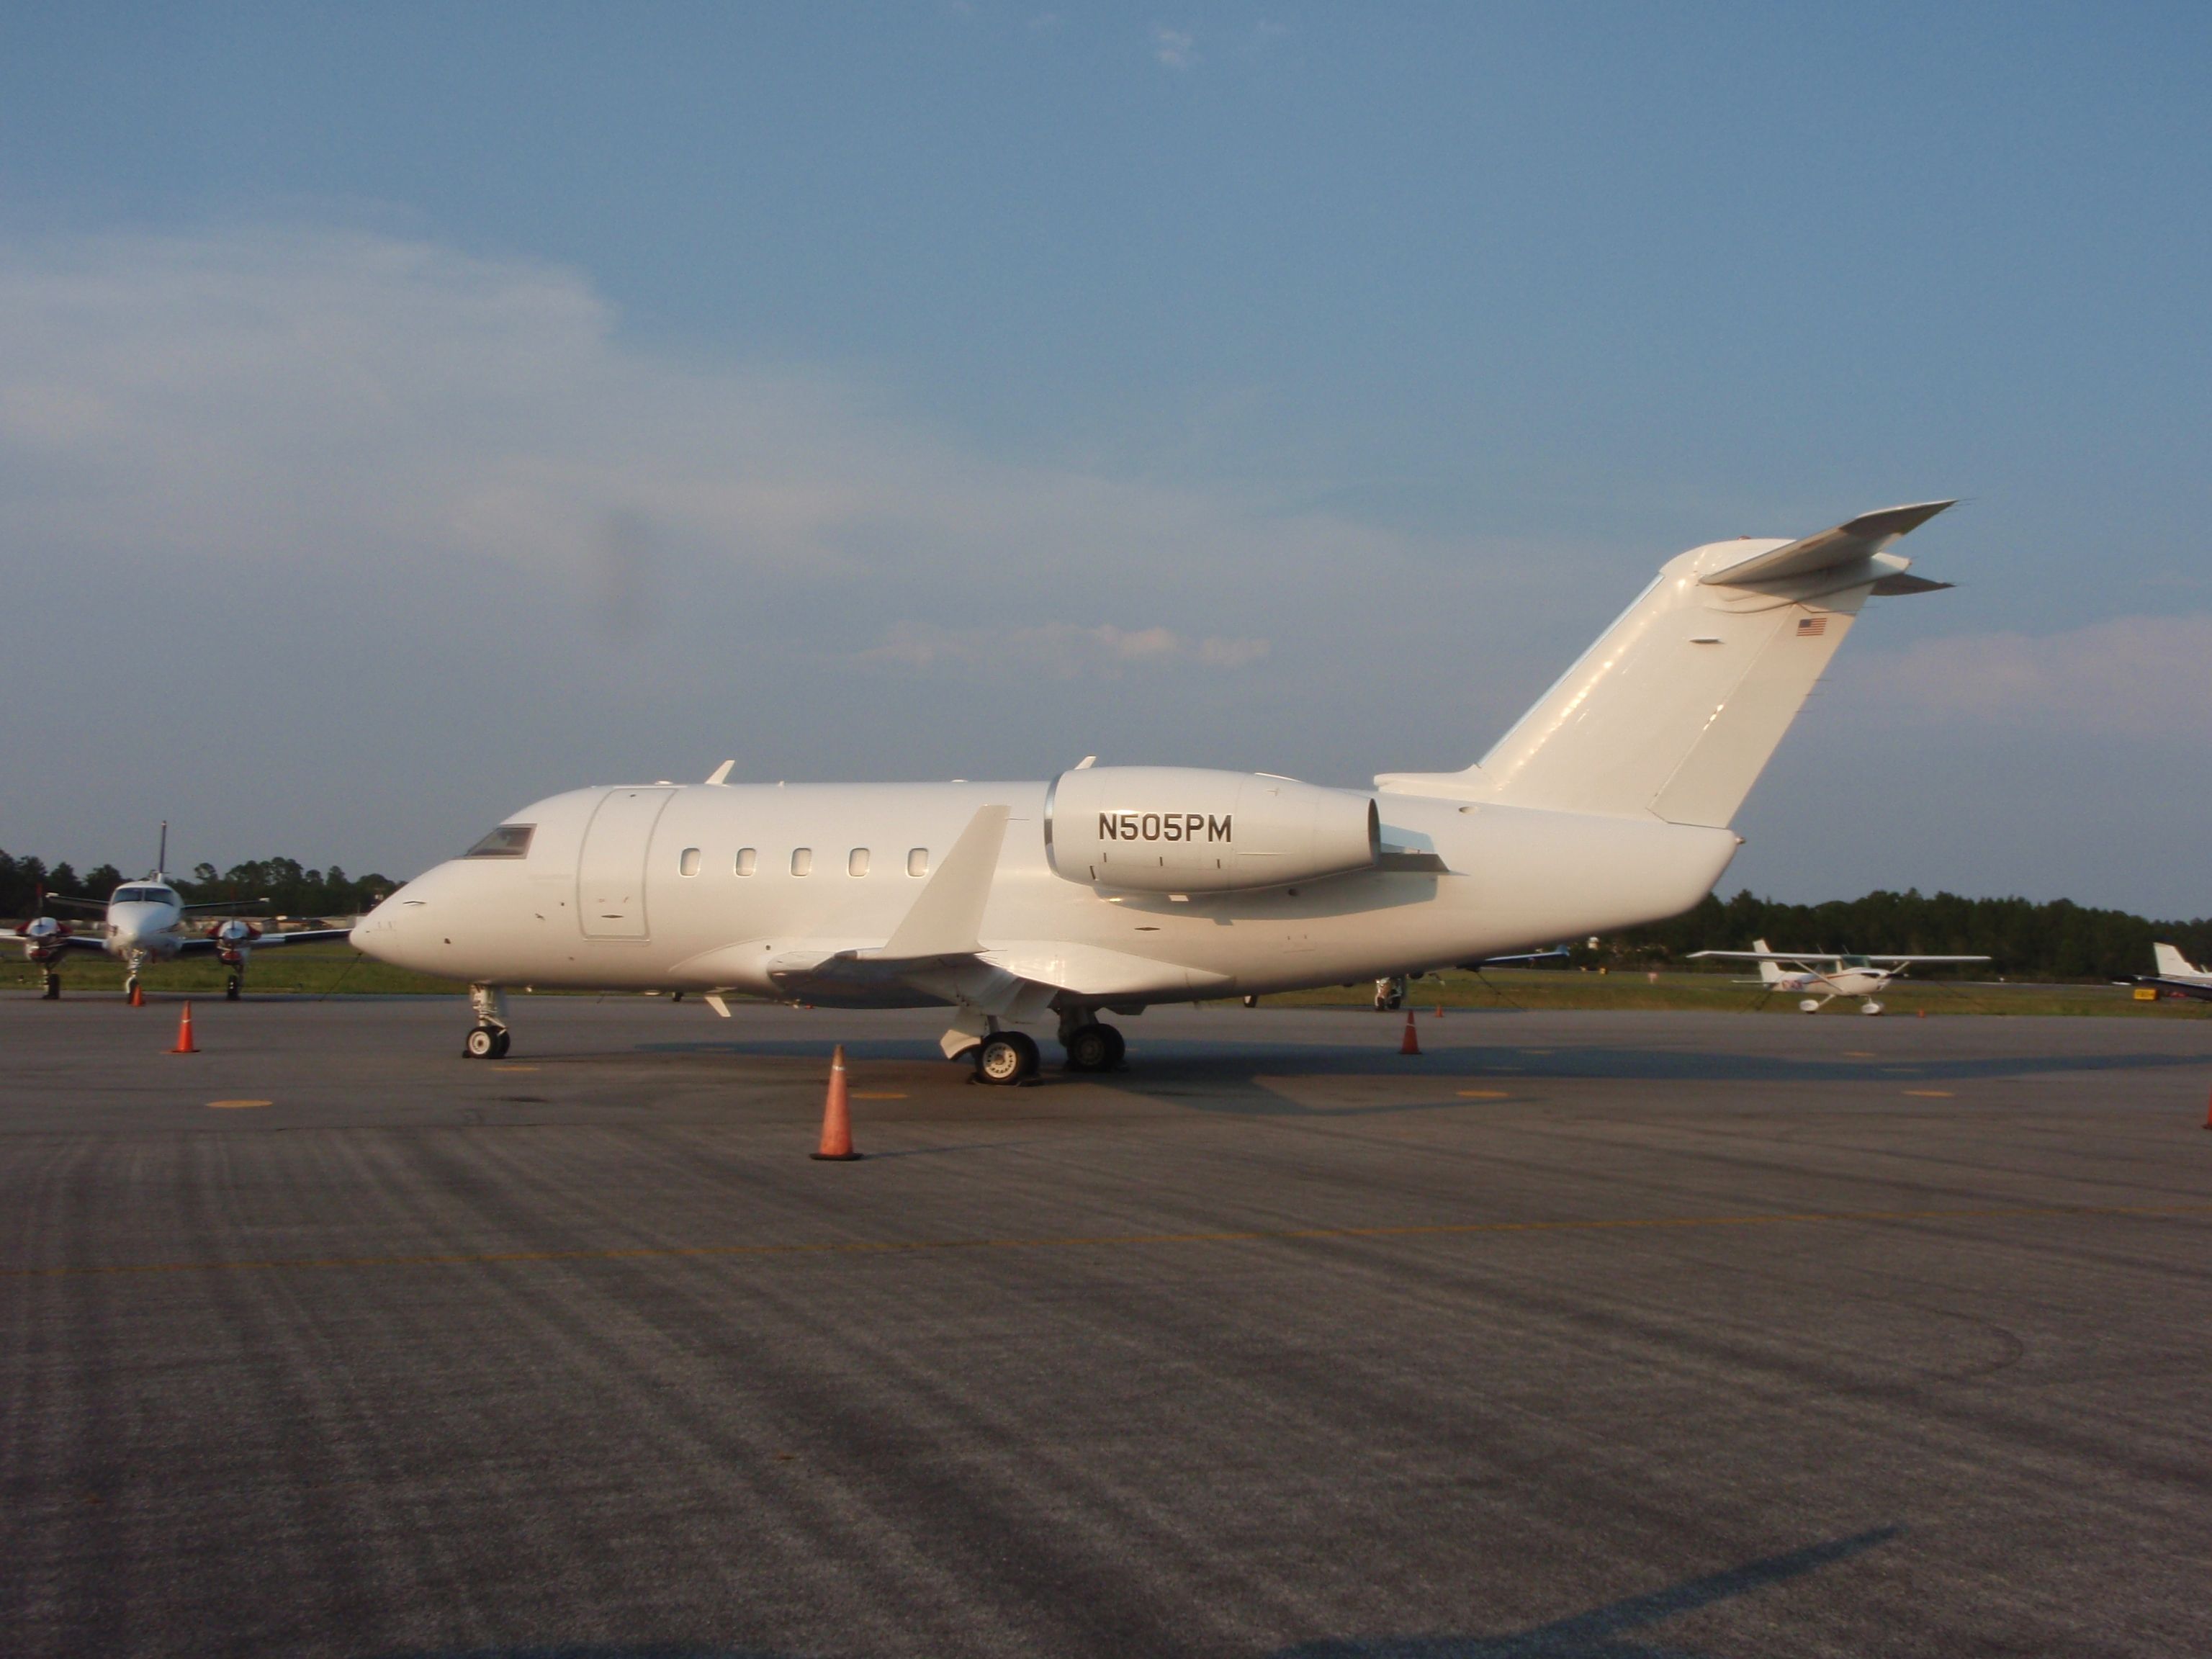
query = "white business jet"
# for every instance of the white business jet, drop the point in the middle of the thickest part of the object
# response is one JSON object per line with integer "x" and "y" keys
{"x": 1827, "y": 977}
{"x": 147, "y": 922}
{"x": 1109, "y": 888}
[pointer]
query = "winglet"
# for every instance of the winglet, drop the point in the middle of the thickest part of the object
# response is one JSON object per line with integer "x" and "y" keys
{"x": 947, "y": 917}
{"x": 722, "y": 774}
{"x": 1858, "y": 539}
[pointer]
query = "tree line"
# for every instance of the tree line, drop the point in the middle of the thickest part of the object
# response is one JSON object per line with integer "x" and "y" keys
{"x": 291, "y": 888}
{"x": 2057, "y": 941}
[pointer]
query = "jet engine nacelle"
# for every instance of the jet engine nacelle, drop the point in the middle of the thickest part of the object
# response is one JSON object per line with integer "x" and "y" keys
{"x": 1180, "y": 830}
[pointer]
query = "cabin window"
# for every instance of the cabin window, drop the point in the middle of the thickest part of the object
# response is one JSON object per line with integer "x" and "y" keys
{"x": 802, "y": 860}
{"x": 917, "y": 861}
{"x": 856, "y": 862}
{"x": 509, "y": 840}
{"x": 748, "y": 859}
{"x": 688, "y": 864}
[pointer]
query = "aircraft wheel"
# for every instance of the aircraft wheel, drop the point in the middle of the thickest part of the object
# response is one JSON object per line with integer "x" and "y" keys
{"x": 1089, "y": 1048}
{"x": 53, "y": 991}
{"x": 1120, "y": 1048}
{"x": 1251, "y": 1002}
{"x": 231, "y": 988}
{"x": 499, "y": 1043}
{"x": 484, "y": 1043}
{"x": 1869, "y": 1007}
{"x": 1008, "y": 1058}
{"x": 1810, "y": 1005}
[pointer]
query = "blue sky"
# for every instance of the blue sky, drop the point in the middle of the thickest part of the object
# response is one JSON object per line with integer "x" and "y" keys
{"x": 474, "y": 402}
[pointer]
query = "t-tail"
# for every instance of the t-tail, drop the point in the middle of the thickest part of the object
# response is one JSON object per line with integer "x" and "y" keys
{"x": 1675, "y": 710}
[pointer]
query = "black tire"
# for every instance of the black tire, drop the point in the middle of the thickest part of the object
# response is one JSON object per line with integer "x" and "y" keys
{"x": 1006, "y": 1059}
{"x": 499, "y": 1043}
{"x": 482, "y": 1043}
{"x": 54, "y": 987}
{"x": 1089, "y": 1048}
{"x": 230, "y": 989}
{"x": 1119, "y": 1049}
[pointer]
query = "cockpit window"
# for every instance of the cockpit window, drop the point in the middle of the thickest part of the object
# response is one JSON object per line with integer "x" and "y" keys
{"x": 140, "y": 896}
{"x": 509, "y": 840}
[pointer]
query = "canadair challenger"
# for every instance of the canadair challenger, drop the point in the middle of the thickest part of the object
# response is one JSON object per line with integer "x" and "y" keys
{"x": 1110, "y": 888}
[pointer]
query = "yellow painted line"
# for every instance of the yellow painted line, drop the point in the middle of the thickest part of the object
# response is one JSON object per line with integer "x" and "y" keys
{"x": 514, "y": 1068}
{"x": 1095, "y": 1241}
{"x": 1931, "y": 1094}
{"x": 233, "y": 1105}
{"x": 1484, "y": 1094}
{"x": 1858, "y": 1053}
{"x": 864, "y": 1094}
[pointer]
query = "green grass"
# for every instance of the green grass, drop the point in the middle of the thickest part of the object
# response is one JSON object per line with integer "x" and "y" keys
{"x": 323, "y": 969}
{"x": 307, "y": 970}
{"x": 1717, "y": 992}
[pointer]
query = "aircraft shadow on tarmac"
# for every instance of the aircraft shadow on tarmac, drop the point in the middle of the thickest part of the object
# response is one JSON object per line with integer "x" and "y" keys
{"x": 1606, "y": 1632}
{"x": 1603, "y": 1633}
{"x": 1230, "y": 1076}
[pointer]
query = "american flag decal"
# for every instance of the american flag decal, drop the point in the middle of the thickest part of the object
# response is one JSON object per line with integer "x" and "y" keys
{"x": 1811, "y": 627}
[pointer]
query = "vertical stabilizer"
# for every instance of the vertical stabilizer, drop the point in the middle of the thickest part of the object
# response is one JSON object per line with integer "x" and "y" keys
{"x": 2172, "y": 964}
{"x": 1769, "y": 972}
{"x": 1676, "y": 710}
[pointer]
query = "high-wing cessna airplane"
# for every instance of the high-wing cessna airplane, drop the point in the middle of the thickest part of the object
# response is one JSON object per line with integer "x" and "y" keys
{"x": 1828, "y": 976}
{"x": 146, "y": 923}
{"x": 1109, "y": 888}
{"x": 2177, "y": 972}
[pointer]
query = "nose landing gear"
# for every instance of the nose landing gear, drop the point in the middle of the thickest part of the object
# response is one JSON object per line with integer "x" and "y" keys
{"x": 231, "y": 986}
{"x": 489, "y": 1040}
{"x": 52, "y": 984}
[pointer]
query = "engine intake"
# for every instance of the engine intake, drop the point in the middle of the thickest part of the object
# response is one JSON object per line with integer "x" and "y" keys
{"x": 1183, "y": 830}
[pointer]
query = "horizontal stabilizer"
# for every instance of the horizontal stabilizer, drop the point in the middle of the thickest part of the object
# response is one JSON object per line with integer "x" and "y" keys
{"x": 1860, "y": 538}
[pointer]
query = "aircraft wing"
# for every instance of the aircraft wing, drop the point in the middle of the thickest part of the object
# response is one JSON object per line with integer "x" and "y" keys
{"x": 1798, "y": 958}
{"x": 226, "y": 904}
{"x": 2200, "y": 989}
{"x": 1557, "y": 953}
{"x": 1900, "y": 959}
{"x": 204, "y": 945}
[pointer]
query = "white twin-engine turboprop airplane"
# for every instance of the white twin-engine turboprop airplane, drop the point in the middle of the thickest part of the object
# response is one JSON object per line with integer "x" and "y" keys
{"x": 1111, "y": 888}
{"x": 147, "y": 922}
{"x": 1826, "y": 976}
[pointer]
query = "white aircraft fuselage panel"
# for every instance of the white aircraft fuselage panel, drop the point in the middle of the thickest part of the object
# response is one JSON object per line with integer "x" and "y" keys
{"x": 830, "y": 875}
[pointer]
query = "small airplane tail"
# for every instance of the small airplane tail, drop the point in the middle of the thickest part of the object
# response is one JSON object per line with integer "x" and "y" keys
{"x": 1769, "y": 972}
{"x": 1675, "y": 710}
{"x": 2172, "y": 964}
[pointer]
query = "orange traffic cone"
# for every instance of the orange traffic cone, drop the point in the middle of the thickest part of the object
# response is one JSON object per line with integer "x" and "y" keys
{"x": 1411, "y": 1045}
{"x": 137, "y": 994}
{"x": 837, "y": 1118}
{"x": 185, "y": 1043}
{"x": 1440, "y": 1010}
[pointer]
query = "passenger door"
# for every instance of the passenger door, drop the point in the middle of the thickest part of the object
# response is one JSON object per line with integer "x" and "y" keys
{"x": 610, "y": 870}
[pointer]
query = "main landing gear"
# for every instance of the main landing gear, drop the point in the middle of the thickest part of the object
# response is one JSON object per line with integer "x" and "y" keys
{"x": 1009, "y": 1058}
{"x": 1391, "y": 994}
{"x": 489, "y": 1040}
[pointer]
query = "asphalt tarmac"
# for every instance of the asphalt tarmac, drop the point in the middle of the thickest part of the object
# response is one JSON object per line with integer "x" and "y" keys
{"x": 1579, "y": 1335}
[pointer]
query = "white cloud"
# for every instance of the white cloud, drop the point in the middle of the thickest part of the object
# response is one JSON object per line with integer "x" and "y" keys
{"x": 1064, "y": 650}
{"x": 2132, "y": 677}
{"x": 307, "y": 399}
{"x": 1176, "y": 49}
